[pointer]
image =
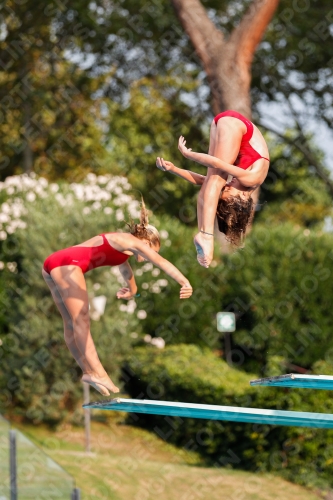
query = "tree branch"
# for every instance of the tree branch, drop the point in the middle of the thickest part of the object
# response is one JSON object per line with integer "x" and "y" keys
{"x": 252, "y": 27}
{"x": 299, "y": 143}
{"x": 205, "y": 37}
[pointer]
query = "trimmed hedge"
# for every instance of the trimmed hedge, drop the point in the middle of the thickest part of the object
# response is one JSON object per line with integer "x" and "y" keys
{"x": 190, "y": 374}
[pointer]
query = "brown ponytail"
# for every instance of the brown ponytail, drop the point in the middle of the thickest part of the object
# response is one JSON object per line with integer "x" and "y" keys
{"x": 234, "y": 215}
{"x": 144, "y": 230}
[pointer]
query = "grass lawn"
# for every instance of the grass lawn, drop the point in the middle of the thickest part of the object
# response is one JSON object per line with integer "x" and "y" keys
{"x": 128, "y": 463}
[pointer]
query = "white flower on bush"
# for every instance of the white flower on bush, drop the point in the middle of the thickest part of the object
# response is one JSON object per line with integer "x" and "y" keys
{"x": 5, "y": 208}
{"x": 133, "y": 208}
{"x": 155, "y": 287}
{"x": 12, "y": 266}
{"x": 78, "y": 190}
{"x": 129, "y": 308}
{"x": 115, "y": 271}
{"x": 91, "y": 178}
{"x": 102, "y": 179}
{"x": 95, "y": 191}
{"x": 162, "y": 282}
{"x": 124, "y": 199}
{"x": 155, "y": 341}
{"x": 61, "y": 199}
{"x": 15, "y": 224}
{"x": 120, "y": 214}
{"x": 111, "y": 185}
{"x": 158, "y": 342}
{"x": 96, "y": 205}
{"x": 141, "y": 314}
{"x": 147, "y": 267}
{"x": 4, "y": 218}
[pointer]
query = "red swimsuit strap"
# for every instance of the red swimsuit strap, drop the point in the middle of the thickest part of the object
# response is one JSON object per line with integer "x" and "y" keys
{"x": 105, "y": 241}
{"x": 109, "y": 246}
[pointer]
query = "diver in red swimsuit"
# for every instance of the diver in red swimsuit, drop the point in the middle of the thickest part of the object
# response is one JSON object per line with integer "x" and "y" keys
{"x": 64, "y": 272}
{"x": 237, "y": 149}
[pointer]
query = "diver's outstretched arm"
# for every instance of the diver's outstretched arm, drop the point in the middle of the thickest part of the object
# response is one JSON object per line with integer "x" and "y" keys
{"x": 138, "y": 246}
{"x": 192, "y": 177}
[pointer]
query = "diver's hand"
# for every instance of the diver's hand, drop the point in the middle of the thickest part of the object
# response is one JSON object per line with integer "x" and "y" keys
{"x": 183, "y": 149}
{"x": 164, "y": 165}
{"x": 186, "y": 291}
{"x": 125, "y": 293}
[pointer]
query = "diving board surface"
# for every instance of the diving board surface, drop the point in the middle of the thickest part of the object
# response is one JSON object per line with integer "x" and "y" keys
{"x": 296, "y": 380}
{"x": 212, "y": 412}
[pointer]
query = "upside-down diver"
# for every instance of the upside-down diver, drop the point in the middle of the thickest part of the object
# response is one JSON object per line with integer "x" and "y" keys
{"x": 238, "y": 149}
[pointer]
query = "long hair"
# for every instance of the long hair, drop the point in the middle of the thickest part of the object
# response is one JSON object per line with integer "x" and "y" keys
{"x": 144, "y": 230}
{"x": 233, "y": 217}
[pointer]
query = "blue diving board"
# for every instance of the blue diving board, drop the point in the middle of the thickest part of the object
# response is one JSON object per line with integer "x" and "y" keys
{"x": 296, "y": 380}
{"x": 212, "y": 412}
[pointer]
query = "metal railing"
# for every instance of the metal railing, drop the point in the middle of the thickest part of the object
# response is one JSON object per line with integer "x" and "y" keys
{"x": 4, "y": 459}
{"x": 26, "y": 472}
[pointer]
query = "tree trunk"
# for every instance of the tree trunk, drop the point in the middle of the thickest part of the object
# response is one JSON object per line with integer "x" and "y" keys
{"x": 27, "y": 152}
{"x": 27, "y": 159}
{"x": 227, "y": 63}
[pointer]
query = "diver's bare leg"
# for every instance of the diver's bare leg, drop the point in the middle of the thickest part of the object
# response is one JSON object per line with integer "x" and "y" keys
{"x": 71, "y": 287}
{"x": 225, "y": 145}
{"x": 67, "y": 320}
{"x": 204, "y": 240}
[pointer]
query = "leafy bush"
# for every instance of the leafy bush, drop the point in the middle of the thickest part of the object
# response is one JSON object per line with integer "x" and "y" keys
{"x": 280, "y": 287}
{"x": 190, "y": 374}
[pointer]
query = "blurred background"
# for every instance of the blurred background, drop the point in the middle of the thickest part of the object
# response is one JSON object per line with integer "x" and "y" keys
{"x": 90, "y": 94}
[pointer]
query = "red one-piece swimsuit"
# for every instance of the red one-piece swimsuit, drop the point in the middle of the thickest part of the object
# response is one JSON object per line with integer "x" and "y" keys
{"x": 247, "y": 155}
{"x": 86, "y": 258}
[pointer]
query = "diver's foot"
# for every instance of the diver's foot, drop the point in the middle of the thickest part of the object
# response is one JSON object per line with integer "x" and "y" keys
{"x": 204, "y": 244}
{"x": 102, "y": 384}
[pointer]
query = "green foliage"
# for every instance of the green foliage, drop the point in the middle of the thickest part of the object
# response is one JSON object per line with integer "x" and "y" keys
{"x": 149, "y": 125}
{"x": 49, "y": 121}
{"x": 297, "y": 43}
{"x": 187, "y": 373}
{"x": 86, "y": 87}
{"x": 292, "y": 191}
{"x": 280, "y": 287}
{"x": 177, "y": 321}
